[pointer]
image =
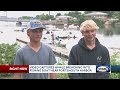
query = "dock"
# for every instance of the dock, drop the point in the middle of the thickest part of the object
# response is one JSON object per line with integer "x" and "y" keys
{"x": 60, "y": 51}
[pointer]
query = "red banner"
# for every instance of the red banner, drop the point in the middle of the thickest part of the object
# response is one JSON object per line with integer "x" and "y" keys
{"x": 14, "y": 68}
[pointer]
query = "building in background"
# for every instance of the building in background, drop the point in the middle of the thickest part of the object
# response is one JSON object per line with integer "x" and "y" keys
{"x": 98, "y": 15}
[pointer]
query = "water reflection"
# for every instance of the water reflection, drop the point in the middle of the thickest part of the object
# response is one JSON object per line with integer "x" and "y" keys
{"x": 109, "y": 30}
{"x": 109, "y": 37}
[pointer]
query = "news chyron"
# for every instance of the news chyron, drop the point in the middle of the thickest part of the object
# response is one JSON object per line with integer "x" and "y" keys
{"x": 103, "y": 68}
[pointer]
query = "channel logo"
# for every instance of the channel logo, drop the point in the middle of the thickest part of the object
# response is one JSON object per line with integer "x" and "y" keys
{"x": 103, "y": 68}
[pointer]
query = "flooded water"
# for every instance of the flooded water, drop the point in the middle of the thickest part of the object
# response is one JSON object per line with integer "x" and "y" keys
{"x": 9, "y": 36}
{"x": 108, "y": 41}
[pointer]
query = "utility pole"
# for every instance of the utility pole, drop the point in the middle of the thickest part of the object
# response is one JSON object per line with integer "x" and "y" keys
{"x": 6, "y": 15}
{"x": 49, "y": 15}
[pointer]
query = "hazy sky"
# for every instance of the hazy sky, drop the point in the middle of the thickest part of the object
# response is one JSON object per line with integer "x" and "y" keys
{"x": 16, "y": 14}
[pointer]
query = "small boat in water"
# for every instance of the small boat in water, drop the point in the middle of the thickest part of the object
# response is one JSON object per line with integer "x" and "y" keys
{"x": 1, "y": 31}
{"x": 20, "y": 29}
{"x": 19, "y": 23}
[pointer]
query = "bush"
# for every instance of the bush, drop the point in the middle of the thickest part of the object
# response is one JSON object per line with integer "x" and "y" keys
{"x": 7, "y": 55}
{"x": 114, "y": 58}
{"x": 62, "y": 75}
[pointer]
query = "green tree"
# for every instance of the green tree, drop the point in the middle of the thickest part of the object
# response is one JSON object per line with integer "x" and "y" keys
{"x": 110, "y": 13}
{"x": 58, "y": 14}
{"x": 7, "y": 55}
{"x": 78, "y": 15}
{"x": 25, "y": 17}
{"x": 43, "y": 17}
{"x": 86, "y": 12}
{"x": 51, "y": 17}
{"x": 117, "y": 14}
{"x": 37, "y": 16}
{"x": 82, "y": 18}
{"x": 99, "y": 22}
{"x": 74, "y": 14}
{"x": 46, "y": 17}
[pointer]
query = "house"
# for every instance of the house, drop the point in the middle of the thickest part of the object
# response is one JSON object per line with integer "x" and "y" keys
{"x": 63, "y": 18}
{"x": 98, "y": 15}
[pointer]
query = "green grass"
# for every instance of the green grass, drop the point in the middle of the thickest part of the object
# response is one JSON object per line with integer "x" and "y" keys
{"x": 114, "y": 58}
{"x": 3, "y": 76}
{"x": 63, "y": 76}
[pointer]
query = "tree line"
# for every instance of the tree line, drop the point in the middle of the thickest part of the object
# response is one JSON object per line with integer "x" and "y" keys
{"x": 78, "y": 17}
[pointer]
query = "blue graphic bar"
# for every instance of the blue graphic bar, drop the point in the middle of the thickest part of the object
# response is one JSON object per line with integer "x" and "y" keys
{"x": 108, "y": 68}
{"x": 115, "y": 68}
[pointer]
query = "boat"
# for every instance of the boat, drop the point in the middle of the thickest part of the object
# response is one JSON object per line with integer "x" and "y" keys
{"x": 71, "y": 27}
{"x": 19, "y": 23}
{"x": 67, "y": 34}
{"x": 52, "y": 28}
{"x": 1, "y": 31}
{"x": 20, "y": 29}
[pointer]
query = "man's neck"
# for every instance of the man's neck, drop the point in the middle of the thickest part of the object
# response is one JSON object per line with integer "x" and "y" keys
{"x": 35, "y": 45}
{"x": 90, "y": 45}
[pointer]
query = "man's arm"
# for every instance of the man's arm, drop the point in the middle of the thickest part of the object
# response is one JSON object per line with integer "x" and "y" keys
{"x": 73, "y": 61}
{"x": 106, "y": 56}
{"x": 52, "y": 61}
{"x": 18, "y": 61}
{"x": 17, "y": 76}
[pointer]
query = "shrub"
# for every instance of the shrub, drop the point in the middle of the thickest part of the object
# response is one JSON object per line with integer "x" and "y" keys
{"x": 114, "y": 61}
{"x": 7, "y": 55}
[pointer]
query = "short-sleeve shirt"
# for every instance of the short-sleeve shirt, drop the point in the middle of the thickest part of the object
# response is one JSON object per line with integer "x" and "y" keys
{"x": 27, "y": 56}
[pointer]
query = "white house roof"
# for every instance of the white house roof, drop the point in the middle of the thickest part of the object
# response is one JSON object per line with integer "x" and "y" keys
{"x": 96, "y": 13}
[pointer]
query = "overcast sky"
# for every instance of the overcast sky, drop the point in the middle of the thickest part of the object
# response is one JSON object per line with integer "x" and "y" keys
{"x": 17, "y": 14}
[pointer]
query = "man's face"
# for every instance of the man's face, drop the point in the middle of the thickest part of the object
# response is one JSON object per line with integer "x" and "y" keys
{"x": 35, "y": 35}
{"x": 89, "y": 35}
